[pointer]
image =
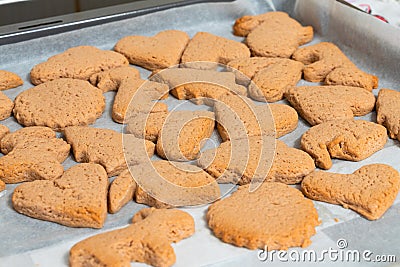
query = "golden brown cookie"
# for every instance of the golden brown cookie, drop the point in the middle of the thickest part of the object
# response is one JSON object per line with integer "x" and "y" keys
{"x": 274, "y": 217}
{"x": 200, "y": 86}
{"x": 121, "y": 191}
{"x": 210, "y": 48}
{"x": 285, "y": 119}
{"x": 347, "y": 139}
{"x": 238, "y": 118}
{"x": 326, "y": 62}
{"x": 270, "y": 77}
{"x": 141, "y": 241}
{"x": 77, "y": 199}
{"x": 9, "y": 80}
{"x": 3, "y": 131}
{"x": 167, "y": 184}
{"x": 370, "y": 190}
{"x": 60, "y": 103}
{"x": 318, "y": 104}
{"x": 79, "y": 62}
{"x": 158, "y": 52}
{"x": 32, "y": 157}
{"x": 11, "y": 139}
{"x": 6, "y": 106}
{"x": 106, "y": 147}
{"x": 147, "y": 126}
{"x": 183, "y": 133}
{"x": 133, "y": 94}
{"x": 277, "y": 35}
{"x": 289, "y": 165}
{"x": 110, "y": 80}
{"x": 388, "y": 111}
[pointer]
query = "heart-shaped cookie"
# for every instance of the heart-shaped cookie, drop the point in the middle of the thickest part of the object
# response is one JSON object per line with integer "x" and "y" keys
{"x": 77, "y": 199}
{"x": 158, "y": 52}
{"x": 369, "y": 190}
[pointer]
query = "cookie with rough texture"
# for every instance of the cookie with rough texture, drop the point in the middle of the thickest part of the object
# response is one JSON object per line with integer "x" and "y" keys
{"x": 6, "y": 106}
{"x": 147, "y": 126}
{"x": 133, "y": 94}
{"x": 141, "y": 241}
{"x": 9, "y": 80}
{"x": 2, "y": 186}
{"x": 285, "y": 119}
{"x": 77, "y": 199}
{"x": 121, "y": 191}
{"x": 167, "y": 184}
{"x": 11, "y": 139}
{"x": 318, "y": 104}
{"x": 110, "y": 80}
{"x": 370, "y": 190}
{"x": 388, "y": 111}
{"x": 349, "y": 139}
{"x": 158, "y": 52}
{"x": 107, "y": 148}
{"x": 60, "y": 103}
{"x": 79, "y": 62}
{"x": 270, "y": 77}
{"x": 182, "y": 134}
{"x": 212, "y": 49}
{"x": 32, "y": 157}
{"x": 200, "y": 86}
{"x": 277, "y": 35}
{"x": 289, "y": 165}
{"x": 258, "y": 223}
{"x": 326, "y": 62}
{"x": 3, "y": 131}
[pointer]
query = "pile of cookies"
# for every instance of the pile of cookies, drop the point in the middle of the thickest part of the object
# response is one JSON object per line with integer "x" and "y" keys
{"x": 228, "y": 76}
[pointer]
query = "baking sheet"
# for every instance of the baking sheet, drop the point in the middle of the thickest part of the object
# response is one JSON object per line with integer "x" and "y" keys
{"x": 370, "y": 43}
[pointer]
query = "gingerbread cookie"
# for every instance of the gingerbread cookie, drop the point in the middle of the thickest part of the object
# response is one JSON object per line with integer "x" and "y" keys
{"x": 166, "y": 184}
{"x": 141, "y": 241}
{"x": 77, "y": 199}
{"x": 348, "y": 139}
{"x": 9, "y": 80}
{"x": 326, "y": 62}
{"x": 212, "y": 49}
{"x": 318, "y": 104}
{"x": 258, "y": 221}
{"x": 277, "y": 35}
{"x": 388, "y": 111}
{"x": 158, "y": 52}
{"x": 370, "y": 190}
{"x": 31, "y": 157}
{"x": 107, "y": 148}
{"x": 77, "y": 62}
{"x": 272, "y": 76}
{"x": 121, "y": 191}
{"x": 59, "y": 104}
{"x": 289, "y": 165}
{"x": 6, "y": 106}
{"x": 200, "y": 86}
{"x": 3, "y": 131}
{"x": 285, "y": 119}
{"x": 147, "y": 126}
{"x": 238, "y": 118}
{"x": 9, "y": 141}
{"x": 110, "y": 80}
{"x": 133, "y": 94}
{"x": 182, "y": 134}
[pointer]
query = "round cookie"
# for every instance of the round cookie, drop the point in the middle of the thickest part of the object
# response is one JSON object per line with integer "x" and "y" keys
{"x": 274, "y": 217}
{"x": 59, "y": 104}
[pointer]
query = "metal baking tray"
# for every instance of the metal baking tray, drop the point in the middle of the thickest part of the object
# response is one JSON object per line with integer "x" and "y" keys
{"x": 373, "y": 45}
